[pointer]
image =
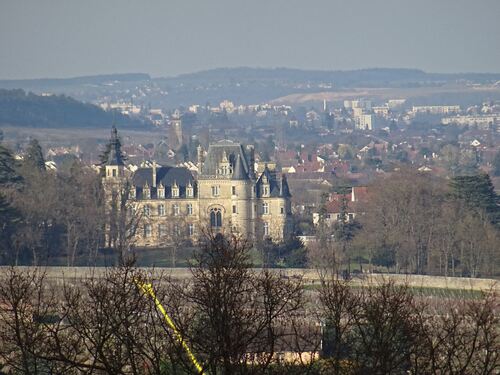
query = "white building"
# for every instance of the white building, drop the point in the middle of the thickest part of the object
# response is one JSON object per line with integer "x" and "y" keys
{"x": 436, "y": 109}
{"x": 364, "y": 122}
{"x": 483, "y": 122}
{"x": 395, "y": 103}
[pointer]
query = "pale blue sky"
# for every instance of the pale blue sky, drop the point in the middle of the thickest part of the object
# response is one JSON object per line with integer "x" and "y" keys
{"x": 63, "y": 38}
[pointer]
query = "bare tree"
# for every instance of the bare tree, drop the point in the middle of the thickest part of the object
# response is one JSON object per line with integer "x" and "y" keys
{"x": 238, "y": 317}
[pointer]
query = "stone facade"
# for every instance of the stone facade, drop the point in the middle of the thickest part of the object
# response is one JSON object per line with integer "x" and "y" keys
{"x": 171, "y": 205}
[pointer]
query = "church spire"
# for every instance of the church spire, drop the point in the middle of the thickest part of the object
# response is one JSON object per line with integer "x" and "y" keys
{"x": 115, "y": 152}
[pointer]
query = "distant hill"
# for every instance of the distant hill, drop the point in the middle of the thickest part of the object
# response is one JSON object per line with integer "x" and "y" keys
{"x": 241, "y": 85}
{"x": 376, "y": 77}
{"x": 18, "y": 108}
{"x": 49, "y": 83}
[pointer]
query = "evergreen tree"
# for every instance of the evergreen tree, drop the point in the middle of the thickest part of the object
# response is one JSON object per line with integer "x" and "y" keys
{"x": 477, "y": 193}
{"x": 345, "y": 228}
{"x": 8, "y": 214}
{"x": 496, "y": 165}
{"x": 34, "y": 156}
{"x": 8, "y": 174}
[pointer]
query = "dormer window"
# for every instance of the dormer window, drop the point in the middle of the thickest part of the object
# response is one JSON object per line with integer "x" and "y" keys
{"x": 161, "y": 191}
{"x": 175, "y": 191}
{"x": 146, "y": 192}
{"x": 132, "y": 193}
{"x": 189, "y": 191}
{"x": 224, "y": 166}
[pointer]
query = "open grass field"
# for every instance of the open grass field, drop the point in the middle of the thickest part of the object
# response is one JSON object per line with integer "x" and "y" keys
{"x": 432, "y": 286}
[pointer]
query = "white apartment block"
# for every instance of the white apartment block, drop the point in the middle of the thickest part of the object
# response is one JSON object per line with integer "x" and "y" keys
{"x": 436, "y": 109}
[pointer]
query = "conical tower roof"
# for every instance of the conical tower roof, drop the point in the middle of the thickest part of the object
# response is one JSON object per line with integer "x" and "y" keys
{"x": 285, "y": 190}
{"x": 239, "y": 171}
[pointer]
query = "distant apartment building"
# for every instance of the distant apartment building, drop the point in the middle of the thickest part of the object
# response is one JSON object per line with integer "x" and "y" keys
{"x": 481, "y": 121}
{"x": 359, "y": 103}
{"x": 364, "y": 122}
{"x": 436, "y": 109}
{"x": 382, "y": 111}
{"x": 395, "y": 103}
{"x": 125, "y": 108}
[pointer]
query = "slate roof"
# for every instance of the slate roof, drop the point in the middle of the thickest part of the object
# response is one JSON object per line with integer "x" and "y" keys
{"x": 277, "y": 189}
{"x": 167, "y": 176}
{"x": 215, "y": 154}
{"x": 239, "y": 172}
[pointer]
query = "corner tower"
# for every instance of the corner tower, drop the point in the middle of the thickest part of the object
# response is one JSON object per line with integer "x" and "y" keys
{"x": 115, "y": 167}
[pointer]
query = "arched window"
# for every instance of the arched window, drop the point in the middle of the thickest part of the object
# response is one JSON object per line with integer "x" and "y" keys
{"x": 215, "y": 218}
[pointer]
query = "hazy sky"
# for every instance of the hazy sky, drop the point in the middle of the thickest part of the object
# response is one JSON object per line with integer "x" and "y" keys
{"x": 62, "y": 38}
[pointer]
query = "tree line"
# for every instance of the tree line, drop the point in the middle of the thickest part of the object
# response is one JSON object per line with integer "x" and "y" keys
{"x": 46, "y": 214}
{"x": 418, "y": 223}
{"x": 236, "y": 320}
{"x": 412, "y": 223}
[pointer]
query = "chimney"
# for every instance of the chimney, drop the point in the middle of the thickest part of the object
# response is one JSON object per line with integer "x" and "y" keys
{"x": 154, "y": 174}
{"x": 251, "y": 167}
{"x": 199, "y": 156}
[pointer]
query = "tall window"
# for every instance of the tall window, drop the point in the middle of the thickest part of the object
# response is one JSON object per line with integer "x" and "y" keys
{"x": 215, "y": 218}
{"x": 265, "y": 208}
{"x": 176, "y": 229}
{"x": 175, "y": 209}
{"x": 161, "y": 210}
{"x": 147, "y": 193}
{"x": 234, "y": 209}
{"x": 233, "y": 190}
{"x": 147, "y": 210}
{"x": 215, "y": 191}
{"x": 265, "y": 190}
{"x": 175, "y": 192}
{"x": 266, "y": 228}
{"x": 190, "y": 229}
{"x": 189, "y": 209}
{"x": 147, "y": 230}
{"x": 189, "y": 191}
{"x": 162, "y": 230}
{"x": 282, "y": 210}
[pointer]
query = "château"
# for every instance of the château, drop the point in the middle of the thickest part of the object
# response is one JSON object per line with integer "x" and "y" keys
{"x": 167, "y": 204}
